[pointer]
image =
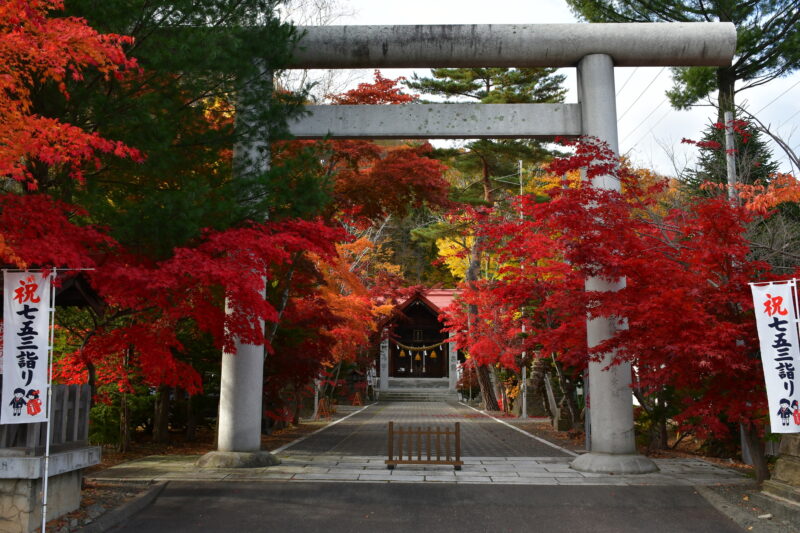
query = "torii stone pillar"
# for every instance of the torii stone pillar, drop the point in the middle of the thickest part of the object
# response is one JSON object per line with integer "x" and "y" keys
{"x": 242, "y": 374}
{"x": 384, "y": 362}
{"x": 613, "y": 447}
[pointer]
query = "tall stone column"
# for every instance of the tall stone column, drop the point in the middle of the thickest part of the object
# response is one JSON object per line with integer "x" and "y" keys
{"x": 384, "y": 383}
{"x": 242, "y": 374}
{"x": 452, "y": 364}
{"x": 613, "y": 447}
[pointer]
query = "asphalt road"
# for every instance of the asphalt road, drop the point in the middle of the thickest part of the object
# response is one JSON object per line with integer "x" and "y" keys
{"x": 420, "y": 508}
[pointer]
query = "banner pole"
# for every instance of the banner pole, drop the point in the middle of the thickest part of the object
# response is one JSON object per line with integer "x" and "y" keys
{"x": 45, "y": 479}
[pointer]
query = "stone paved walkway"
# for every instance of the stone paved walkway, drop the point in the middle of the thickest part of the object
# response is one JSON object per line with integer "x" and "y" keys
{"x": 353, "y": 450}
{"x": 364, "y": 433}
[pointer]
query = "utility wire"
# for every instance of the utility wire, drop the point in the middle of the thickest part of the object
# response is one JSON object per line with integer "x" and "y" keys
{"x": 626, "y": 81}
{"x": 790, "y": 118}
{"x": 642, "y": 93}
{"x": 777, "y": 97}
{"x": 643, "y": 137}
{"x": 645, "y": 119}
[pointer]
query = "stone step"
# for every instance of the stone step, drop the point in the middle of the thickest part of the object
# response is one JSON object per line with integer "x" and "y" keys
{"x": 418, "y": 395}
{"x": 419, "y": 383}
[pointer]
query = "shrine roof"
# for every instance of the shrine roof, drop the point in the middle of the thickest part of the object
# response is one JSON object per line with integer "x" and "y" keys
{"x": 441, "y": 298}
{"x": 435, "y": 299}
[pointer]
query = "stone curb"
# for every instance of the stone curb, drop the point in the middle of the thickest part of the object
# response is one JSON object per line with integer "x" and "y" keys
{"x": 782, "y": 510}
{"x": 744, "y": 519}
{"x": 116, "y": 516}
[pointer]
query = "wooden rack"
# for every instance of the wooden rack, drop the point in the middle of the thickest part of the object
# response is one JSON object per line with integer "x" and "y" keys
{"x": 428, "y": 446}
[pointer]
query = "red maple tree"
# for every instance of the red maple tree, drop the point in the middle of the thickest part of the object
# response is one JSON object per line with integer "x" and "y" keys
{"x": 686, "y": 304}
{"x": 36, "y": 48}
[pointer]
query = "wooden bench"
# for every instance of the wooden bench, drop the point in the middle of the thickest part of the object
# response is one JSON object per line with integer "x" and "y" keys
{"x": 409, "y": 446}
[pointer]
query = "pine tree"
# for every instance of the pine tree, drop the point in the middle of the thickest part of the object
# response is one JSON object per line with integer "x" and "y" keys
{"x": 486, "y": 158}
{"x": 199, "y": 63}
{"x": 489, "y": 158}
{"x": 754, "y": 159}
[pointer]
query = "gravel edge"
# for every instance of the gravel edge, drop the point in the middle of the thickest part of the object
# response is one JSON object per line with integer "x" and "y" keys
{"x": 745, "y": 520}
{"x": 116, "y": 516}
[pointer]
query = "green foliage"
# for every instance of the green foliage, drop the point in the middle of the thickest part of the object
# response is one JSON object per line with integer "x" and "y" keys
{"x": 485, "y": 158}
{"x": 690, "y": 85}
{"x": 199, "y": 61}
{"x": 104, "y": 424}
{"x": 768, "y": 40}
{"x": 754, "y": 159}
{"x": 494, "y": 85}
{"x": 104, "y": 418}
{"x": 412, "y": 241}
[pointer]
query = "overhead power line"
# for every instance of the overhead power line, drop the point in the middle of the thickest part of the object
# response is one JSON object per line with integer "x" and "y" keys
{"x": 645, "y": 119}
{"x": 642, "y": 93}
{"x": 790, "y": 118}
{"x": 777, "y": 97}
{"x": 626, "y": 81}
{"x": 643, "y": 137}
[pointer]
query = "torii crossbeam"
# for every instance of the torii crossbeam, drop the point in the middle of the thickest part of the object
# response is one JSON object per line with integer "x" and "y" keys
{"x": 594, "y": 49}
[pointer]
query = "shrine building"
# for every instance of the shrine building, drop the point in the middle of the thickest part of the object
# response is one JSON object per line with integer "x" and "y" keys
{"x": 415, "y": 361}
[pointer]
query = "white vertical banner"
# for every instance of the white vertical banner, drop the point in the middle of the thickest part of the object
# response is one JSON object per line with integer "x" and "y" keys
{"x": 775, "y": 308}
{"x": 26, "y": 340}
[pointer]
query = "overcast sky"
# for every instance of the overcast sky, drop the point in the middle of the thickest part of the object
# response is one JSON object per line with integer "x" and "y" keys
{"x": 650, "y": 131}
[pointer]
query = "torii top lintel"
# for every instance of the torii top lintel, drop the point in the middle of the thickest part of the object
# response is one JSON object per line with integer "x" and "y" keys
{"x": 515, "y": 45}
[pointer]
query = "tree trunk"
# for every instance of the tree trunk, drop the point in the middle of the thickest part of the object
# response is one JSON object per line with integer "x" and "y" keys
{"x": 179, "y": 409}
{"x": 284, "y": 300}
{"x": 472, "y": 275}
{"x": 124, "y": 444}
{"x": 92, "y": 382}
{"x": 654, "y": 407}
{"x": 663, "y": 441}
{"x": 537, "y": 394}
{"x": 161, "y": 416}
{"x": 191, "y": 420}
{"x": 124, "y": 414}
{"x": 487, "y": 391}
{"x": 568, "y": 390}
{"x": 298, "y": 405}
{"x": 726, "y": 97}
{"x": 756, "y": 444}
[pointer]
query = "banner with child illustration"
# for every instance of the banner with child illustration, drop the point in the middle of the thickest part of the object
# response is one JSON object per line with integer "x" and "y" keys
{"x": 26, "y": 340}
{"x": 776, "y": 318}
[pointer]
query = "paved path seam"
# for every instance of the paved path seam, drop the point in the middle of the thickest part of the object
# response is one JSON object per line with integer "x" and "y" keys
{"x": 543, "y": 441}
{"x": 304, "y": 437}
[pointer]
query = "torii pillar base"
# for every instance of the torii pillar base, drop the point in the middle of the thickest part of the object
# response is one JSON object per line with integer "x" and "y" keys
{"x": 612, "y": 463}
{"x": 219, "y": 459}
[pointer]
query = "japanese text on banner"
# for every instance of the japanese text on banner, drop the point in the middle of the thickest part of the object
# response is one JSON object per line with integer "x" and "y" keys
{"x": 775, "y": 312}
{"x": 26, "y": 334}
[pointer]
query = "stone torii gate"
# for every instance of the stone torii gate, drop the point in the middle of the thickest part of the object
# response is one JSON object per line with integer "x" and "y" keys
{"x": 594, "y": 49}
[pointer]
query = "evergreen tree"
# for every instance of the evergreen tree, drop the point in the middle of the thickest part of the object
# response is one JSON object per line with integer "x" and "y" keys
{"x": 754, "y": 159}
{"x": 492, "y": 158}
{"x": 199, "y": 61}
{"x": 494, "y": 85}
{"x": 486, "y": 158}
